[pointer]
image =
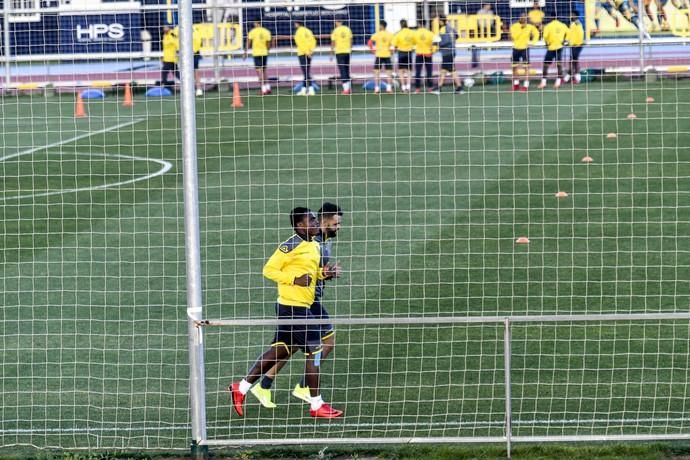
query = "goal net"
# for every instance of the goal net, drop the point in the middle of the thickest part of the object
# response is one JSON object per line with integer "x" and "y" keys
{"x": 463, "y": 205}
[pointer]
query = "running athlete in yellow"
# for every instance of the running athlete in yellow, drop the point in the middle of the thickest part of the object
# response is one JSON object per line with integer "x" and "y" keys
{"x": 295, "y": 268}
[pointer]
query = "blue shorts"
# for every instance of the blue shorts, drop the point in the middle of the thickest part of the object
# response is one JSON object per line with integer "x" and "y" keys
{"x": 318, "y": 311}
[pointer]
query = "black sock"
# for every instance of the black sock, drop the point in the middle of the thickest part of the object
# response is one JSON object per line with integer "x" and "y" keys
{"x": 301, "y": 383}
{"x": 266, "y": 382}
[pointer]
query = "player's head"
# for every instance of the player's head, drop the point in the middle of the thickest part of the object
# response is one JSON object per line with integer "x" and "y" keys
{"x": 338, "y": 22}
{"x": 403, "y": 23}
{"x": 442, "y": 20}
{"x": 523, "y": 19}
{"x": 298, "y": 24}
{"x": 536, "y": 5}
{"x": 421, "y": 23}
{"x": 330, "y": 219}
{"x": 382, "y": 25}
{"x": 574, "y": 17}
{"x": 304, "y": 222}
{"x": 257, "y": 23}
{"x": 166, "y": 29}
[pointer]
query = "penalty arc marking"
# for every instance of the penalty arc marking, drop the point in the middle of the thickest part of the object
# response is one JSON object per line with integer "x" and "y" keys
{"x": 165, "y": 165}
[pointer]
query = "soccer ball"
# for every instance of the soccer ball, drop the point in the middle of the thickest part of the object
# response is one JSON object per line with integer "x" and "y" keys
{"x": 469, "y": 82}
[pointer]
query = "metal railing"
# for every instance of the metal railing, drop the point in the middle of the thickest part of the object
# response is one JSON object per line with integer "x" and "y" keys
{"x": 508, "y": 437}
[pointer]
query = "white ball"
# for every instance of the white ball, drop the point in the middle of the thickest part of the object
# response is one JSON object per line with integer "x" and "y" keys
{"x": 469, "y": 82}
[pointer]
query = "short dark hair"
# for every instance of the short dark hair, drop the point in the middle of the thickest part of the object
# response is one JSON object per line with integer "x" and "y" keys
{"x": 298, "y": 214}
{"x": 403, "y": 23}
{"x": 298, "y": 22}
{"x": 383, "y": 23}
{"x": 330, "y": 209}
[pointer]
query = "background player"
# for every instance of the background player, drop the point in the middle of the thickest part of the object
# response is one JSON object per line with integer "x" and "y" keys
{"x": 523, "y": 35}
{"x": 259, "y": 40}
{"x": 380, "y": 44}
{"x": 424, "y": 52}
{"x": 447, "y": 37}
{"x": 295, "y": 267}
{"x": 306, "y": 43}
{"x": 341, "y": 45}
{"x": 171, "y": 44}
{"x": 196, "y": 48}
{"x": 555, "y": 35}
{"x": 576, "y": 38}
{"x": 330, "y": 220}
{"x": 403, "y": 42}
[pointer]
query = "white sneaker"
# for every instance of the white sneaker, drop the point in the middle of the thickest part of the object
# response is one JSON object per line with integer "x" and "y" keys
{"x": 302, "y": 92}
{"x": 311, "y": 91}
{"x": 542, "y": 85}
{"x": 199, "y": 92}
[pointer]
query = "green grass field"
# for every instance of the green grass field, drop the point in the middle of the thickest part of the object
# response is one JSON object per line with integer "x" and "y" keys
{"x": 436, "y": 190}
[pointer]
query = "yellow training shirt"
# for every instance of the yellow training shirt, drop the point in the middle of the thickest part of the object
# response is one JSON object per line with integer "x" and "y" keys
{"x": 382, "y": 42}
{"x": 305, "y": 41}
{"x": 523, "y": 35}
{"x": 576, "y": 34}
{"x": 294, "y": 258}
{"x": 170, "y": 47}
{"x": 341, "y": 38}
{"x": 555, "y": 34}
{"x": 196, "y": 41}
{"x": 404, "y": 40}
{"x": 260, "y": 38}
{"x": 535, "y": 16}
{"x": 424, "y": 42}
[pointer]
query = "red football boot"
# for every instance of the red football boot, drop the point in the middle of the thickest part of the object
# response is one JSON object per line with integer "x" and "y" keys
{"x": 325, "y": 411}
{"x": 237, "y": 398}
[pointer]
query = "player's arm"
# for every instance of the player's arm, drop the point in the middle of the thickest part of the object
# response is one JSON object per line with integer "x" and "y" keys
{"x": 333, "y": 38}
{"x": 371, "y": 44}
{"x": 534, "y": 35}
{"x": 273, "y": 269}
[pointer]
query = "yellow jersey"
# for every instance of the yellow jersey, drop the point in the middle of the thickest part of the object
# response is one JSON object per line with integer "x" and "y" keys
{"x": 536, "y": 17}
{"x": 555, "y": 33}
{"x": 305, "y": 41}
{"x": 523, "y": 35}
{"x": 404, "y": 40}
{"x": 260, "y": 38}
{"x": 341, "y": 39}
{"x": 382, "y": 42}
{"x": 196, "y": 41}
{"x": 424, "y": 42}
{"x": 576, "y": 34}
{"x": 170, "y": 46}
{"x": 294, "y": 258}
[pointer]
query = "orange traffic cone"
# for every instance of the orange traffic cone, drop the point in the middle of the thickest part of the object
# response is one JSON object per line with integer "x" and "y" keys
{"x": 236, "y": 97}
{"x": 79, "y": 110}
{"x": 128, "y": 101}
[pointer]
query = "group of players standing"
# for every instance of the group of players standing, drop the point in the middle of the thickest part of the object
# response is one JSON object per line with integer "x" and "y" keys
{"x": 414, "y": 48}
{"x": 556, "y": 37}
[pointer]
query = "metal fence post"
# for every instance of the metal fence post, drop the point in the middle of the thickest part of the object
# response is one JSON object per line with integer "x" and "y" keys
{"x": 190, "y": 180}
{"x": 6, "y": 42}
{"x": 506, "y": 371}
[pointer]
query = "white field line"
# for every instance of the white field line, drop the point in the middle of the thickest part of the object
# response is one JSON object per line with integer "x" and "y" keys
{"x": 165, "y": 165}
{"x": 582, "y": 423}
